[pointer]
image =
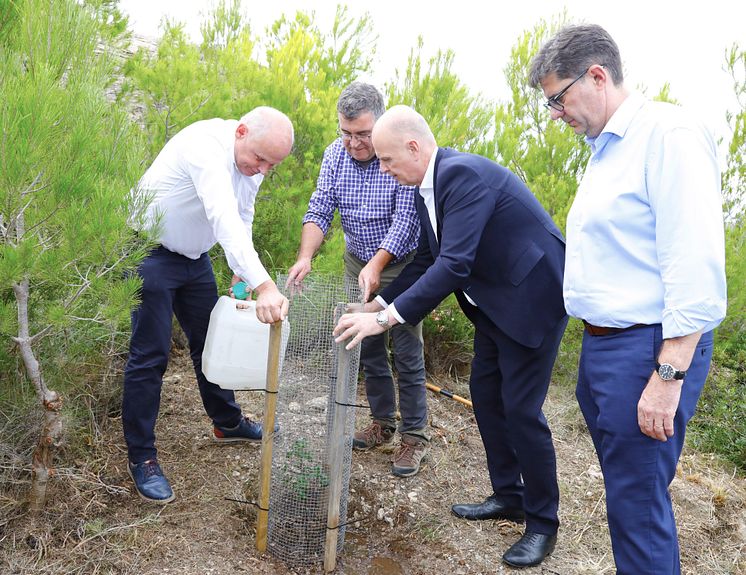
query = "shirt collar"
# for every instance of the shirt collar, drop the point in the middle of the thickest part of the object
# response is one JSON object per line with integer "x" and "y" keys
{"x": 362, "y": 165}
{"x": 427, "y": 181}
{"x": 620, "y": 120}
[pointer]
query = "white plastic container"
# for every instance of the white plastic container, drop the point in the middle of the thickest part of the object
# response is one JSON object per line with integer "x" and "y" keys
{"x": 235, "y": 354}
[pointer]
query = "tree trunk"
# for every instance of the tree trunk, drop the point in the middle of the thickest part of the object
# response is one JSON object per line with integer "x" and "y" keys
{"x": 51, "y": 434}
{"x": 41, "y": 466}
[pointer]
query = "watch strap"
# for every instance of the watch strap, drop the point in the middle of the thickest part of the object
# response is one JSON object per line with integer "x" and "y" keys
{"x": 676, "y": 374}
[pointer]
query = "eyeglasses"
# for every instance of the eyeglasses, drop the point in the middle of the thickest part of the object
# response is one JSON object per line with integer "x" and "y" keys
{"x": 555, "y": 101}
{"x": 363, "y": 138}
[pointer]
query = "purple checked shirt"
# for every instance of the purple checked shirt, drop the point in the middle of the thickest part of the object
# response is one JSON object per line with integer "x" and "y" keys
{"x": 376, "y": 211}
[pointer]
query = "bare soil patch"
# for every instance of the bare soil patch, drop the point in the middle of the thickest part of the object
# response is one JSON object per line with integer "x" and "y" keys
{"x": 97, "y": 524}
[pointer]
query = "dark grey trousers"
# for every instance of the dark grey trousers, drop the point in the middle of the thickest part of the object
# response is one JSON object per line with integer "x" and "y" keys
{"x": 408, "y": 360}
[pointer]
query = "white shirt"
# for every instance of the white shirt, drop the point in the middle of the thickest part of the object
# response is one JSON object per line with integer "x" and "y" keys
{"x": 427, "y": 192}
{"x": 645, "y": 241}
{"x": 197, "y": 198}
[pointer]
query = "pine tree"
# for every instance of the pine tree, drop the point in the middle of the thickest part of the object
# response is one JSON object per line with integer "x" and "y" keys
{"x": 68, "y": 157}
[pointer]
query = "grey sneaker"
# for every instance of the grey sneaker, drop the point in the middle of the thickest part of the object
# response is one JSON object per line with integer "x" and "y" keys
{"x": 408, "y": 457}
{"x": 374, "y": 436}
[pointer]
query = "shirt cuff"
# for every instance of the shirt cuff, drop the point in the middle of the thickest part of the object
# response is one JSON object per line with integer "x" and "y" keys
{"x": 322, "y": 223}
{"x": 253, "y": 279}
{"x": 395, "y": 249}
{"x": 381, "y": 301}
{"x": 702, "y": 316}
{"x": 392, "y": 309}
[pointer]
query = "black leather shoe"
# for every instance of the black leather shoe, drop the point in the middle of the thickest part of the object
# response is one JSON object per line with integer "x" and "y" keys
{"x": 529, "y": 550}
{"x": 491, "y": 508}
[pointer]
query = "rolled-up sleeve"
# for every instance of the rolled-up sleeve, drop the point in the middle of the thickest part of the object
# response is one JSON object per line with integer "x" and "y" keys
{"x": 684, "y": 186}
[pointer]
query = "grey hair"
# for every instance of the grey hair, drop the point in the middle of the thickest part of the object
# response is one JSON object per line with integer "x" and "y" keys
{"x": 359, "y": 98}
{"x": 262, "y": 119}
{"x": 573, "y": 49}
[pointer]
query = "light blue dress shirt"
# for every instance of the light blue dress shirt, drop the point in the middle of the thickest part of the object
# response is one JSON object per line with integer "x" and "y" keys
{"x": 645, "y": 241}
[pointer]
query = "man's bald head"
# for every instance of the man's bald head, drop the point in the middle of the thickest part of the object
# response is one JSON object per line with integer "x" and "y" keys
{"x": 266, "y": 122}
{"x": 264, "y": 138}
{"x": 405, "y": 122}
{"x": 404, "y": 144}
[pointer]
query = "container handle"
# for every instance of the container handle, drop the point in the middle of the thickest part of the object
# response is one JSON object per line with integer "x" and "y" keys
{"x": 244, "y": 305}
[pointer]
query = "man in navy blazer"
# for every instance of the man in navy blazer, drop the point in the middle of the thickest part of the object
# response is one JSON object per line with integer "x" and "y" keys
{"x": 486, "y": 238}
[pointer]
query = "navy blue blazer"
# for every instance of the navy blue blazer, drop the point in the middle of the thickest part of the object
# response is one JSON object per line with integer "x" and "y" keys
{"x": 494, "y": 242}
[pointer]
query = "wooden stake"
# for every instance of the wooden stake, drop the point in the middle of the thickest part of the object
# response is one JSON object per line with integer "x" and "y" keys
{"x": 336, "y": 446}
{"x": 270, "y": 406}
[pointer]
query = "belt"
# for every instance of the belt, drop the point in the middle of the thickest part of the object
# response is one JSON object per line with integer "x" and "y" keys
{"x": 597, "y": 330}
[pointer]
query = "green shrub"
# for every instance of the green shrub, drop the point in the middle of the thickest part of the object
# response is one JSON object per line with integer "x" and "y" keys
{"x": 565, "y": 372}
{"x": 719, "y": 425}
{"x": 448, "y": 336}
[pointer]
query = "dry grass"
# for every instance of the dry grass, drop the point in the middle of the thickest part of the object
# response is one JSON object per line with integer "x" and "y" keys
{"x": 95, "y": 525}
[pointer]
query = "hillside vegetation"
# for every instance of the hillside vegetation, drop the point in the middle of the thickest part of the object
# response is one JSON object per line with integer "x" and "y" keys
{"x": 82, "y": 116}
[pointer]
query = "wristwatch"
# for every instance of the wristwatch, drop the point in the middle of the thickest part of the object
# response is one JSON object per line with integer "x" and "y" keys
{"x": 382, "y": 318}
{"x": 667, "y": 372}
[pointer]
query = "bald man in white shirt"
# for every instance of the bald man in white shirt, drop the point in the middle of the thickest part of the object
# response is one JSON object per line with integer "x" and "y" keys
{"x": 199, "y": 191}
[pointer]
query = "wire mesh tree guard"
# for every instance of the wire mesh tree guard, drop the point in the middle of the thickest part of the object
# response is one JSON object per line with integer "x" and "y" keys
{"x": 305, "y": 472}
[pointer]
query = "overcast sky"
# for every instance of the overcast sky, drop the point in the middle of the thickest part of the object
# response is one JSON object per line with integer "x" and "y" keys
{"x": 683, "y": 43}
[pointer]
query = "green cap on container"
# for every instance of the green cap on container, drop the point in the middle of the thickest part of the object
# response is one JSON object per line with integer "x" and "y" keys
{"x": 239, "y": 290}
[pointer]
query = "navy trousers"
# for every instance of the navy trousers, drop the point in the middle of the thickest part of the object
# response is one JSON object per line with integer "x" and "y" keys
{"x": 508, "y": 386}
{"x": 172, "y": 284}
{"x": 637, "y": 469}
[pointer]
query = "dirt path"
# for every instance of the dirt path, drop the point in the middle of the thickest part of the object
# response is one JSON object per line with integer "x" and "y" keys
{"x": 405, "y": 527}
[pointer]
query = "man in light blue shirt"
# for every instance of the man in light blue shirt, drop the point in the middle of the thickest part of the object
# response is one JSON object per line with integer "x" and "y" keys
{"x": 645, "y": 271}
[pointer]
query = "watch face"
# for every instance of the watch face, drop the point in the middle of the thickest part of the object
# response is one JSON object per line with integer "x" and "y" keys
{"x": 382, "y": 318}
{"x": 666, "y": 371}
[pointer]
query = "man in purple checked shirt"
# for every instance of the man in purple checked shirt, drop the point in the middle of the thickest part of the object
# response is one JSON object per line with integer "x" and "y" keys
{"x": 381, "y": 230}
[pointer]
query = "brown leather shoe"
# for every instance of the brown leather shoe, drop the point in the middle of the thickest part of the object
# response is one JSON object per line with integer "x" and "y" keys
{"x": 374, "y": 436}
{"x": 408, "y": 457}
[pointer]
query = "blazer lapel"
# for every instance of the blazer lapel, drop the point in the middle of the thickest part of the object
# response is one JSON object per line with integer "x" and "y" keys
{"x": 442, "y": 152}
{"x": 419, "y": 204}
